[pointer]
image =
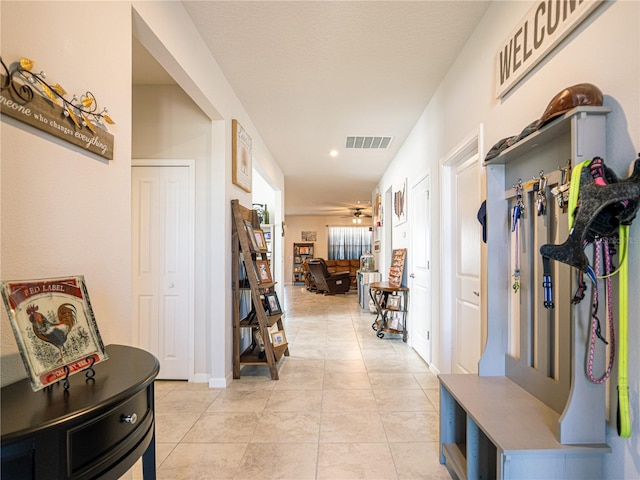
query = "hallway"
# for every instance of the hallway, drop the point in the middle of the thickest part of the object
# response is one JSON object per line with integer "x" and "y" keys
{"x": 347, "y": 406}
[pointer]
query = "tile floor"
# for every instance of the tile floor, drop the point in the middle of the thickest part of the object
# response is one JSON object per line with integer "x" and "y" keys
{"x": 348, "y": 405}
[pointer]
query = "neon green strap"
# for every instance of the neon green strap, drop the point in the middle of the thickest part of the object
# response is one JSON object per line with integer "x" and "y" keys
{"x": 574, "y": 190}
{"x": 624, "y": 416}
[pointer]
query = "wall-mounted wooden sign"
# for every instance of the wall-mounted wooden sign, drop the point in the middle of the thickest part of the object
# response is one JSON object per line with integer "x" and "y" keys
{"x": 29, "y": 98}
{"x": 45, "y": 115}
{"x": 544, "y": 26}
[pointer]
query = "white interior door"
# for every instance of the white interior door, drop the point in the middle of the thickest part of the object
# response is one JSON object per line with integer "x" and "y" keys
{"x": 467, "y": 323}
{"x": 163, "y": 238}
{"x": 420, "y": 269}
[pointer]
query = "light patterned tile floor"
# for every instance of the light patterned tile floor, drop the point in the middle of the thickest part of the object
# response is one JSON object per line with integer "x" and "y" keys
{"x": 348, "y": 405}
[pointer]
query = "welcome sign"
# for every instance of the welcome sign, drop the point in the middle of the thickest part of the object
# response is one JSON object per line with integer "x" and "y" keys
{"x": 546, "y": 24}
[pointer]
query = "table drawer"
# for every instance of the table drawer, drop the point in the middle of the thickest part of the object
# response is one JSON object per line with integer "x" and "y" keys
{"x": 107, "y": 431}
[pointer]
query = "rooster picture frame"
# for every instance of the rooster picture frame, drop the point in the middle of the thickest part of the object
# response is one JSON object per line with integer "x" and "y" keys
{"x": 54, "y": 326}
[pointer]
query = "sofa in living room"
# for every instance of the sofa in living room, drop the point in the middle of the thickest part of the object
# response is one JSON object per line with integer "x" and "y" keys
{"x": 352, "y": 266}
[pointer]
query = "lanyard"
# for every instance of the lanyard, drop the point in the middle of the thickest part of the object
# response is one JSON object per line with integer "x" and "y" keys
{"x": 601, "y": 245}
{"x": 518, "y": 212}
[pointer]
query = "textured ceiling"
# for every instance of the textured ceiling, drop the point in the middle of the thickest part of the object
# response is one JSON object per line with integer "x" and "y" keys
{"x": 311, "y": 73}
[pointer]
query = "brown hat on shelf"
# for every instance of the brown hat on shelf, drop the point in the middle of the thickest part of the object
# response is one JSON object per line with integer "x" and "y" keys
{"x": 582, "y": 94}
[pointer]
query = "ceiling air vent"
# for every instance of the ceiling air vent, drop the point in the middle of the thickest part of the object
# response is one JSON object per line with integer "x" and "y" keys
{"x": 368, "y": 142}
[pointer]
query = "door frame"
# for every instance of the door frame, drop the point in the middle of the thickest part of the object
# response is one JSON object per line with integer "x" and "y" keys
{"x": 190, "y": 164}
{"x": 472, "y": 144}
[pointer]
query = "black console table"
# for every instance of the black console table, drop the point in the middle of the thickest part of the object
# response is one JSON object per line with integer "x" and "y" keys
{"x": 98, "y": 429}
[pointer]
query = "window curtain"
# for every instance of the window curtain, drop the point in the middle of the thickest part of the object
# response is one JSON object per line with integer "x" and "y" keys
{"x": 348, "y": 243}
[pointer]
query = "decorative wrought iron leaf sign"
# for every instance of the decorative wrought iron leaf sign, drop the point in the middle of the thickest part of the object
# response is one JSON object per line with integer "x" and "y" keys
{"x": 28, "y": 98}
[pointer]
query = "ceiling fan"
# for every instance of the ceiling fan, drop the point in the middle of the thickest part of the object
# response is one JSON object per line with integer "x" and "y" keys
{"x": 358, "y": 215}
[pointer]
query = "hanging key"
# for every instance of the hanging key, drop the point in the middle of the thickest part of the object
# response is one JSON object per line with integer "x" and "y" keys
{"x": 540, "y": 190}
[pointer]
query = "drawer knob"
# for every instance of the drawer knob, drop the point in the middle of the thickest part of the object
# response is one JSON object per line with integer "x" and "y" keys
{"x": 133, "y": 418}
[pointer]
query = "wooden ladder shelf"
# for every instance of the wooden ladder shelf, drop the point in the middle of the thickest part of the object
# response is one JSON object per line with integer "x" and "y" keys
{"x": 245, "y": 256}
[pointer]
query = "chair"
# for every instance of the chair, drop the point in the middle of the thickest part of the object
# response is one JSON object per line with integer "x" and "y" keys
{"x": 328, "y": 283}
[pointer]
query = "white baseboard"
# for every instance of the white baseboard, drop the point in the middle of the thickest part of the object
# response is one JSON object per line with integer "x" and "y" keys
{"x": 200, "y": 378}
{"x": 221, "y": 382}
{"x": 434, "y": 369}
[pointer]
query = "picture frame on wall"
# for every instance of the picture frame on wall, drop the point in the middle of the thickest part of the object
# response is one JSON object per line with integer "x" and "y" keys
{"x": 54, "y": 327}
{"x": 264, "y": 272}
{"x": 400, "y": 203}
{"x": 241, "y": 155}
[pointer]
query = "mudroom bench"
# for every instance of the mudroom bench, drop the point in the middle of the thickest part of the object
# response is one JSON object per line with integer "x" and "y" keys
{"x": 530, "y": 412}
{"x": 492, "y": 428}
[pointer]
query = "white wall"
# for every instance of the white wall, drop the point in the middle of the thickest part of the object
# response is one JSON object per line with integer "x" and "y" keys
{"x": 64, "y": 212}
{"x": 165, "y": 29}
{"x": 605, "y": 51}
{"x": 167, "y": 124}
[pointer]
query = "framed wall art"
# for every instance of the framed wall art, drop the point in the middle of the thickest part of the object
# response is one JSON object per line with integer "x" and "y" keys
{"x": 310, "y": 236}
{"x": 377, "y": 210}
{"x": 54, "y": 327}
{"x": 241, "y": 156}
{"x": 400, "y": 204}
{"x": 397, "y": 266}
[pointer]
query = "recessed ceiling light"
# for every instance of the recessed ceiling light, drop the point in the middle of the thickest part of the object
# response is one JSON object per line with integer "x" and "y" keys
{"x": 333, "y": 153}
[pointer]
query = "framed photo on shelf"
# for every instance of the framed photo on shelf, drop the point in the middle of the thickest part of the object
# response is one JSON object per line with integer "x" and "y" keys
{"x": 260, "y": 242}
{"x": 273, "y": 305}
{"x": 393, "y": 302}
{"x": 394, "y": 322}
{"x": 251, "y": 234}
{"x": 241, "y": 153}
{"x": 264, "y": 272}
{"x": 54, "y": 327}
{"x": 305, "y": 250}
{"x": 278, "y": 338}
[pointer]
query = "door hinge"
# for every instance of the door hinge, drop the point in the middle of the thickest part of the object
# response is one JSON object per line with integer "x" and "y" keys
{"x": 427, "y": 334}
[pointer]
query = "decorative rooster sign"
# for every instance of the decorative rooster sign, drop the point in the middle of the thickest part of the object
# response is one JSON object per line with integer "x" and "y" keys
{"x": 54, "y": 327}
{"x": 54, "y": 333}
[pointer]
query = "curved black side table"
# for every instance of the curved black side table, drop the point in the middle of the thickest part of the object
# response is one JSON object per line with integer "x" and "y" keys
{"x": 98, "y": 429}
